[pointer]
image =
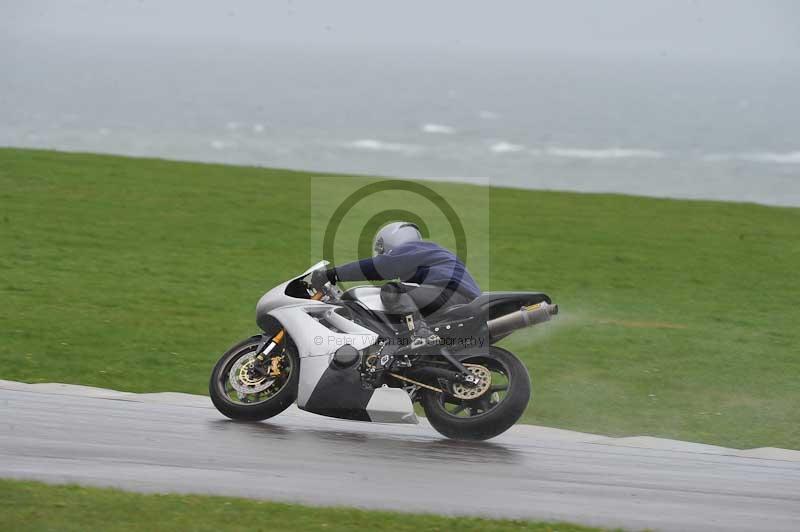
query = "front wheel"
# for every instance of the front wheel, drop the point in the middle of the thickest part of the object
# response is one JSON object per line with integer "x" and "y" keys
{"x": 245, "y": 388}
{"x": 486, "y": 410}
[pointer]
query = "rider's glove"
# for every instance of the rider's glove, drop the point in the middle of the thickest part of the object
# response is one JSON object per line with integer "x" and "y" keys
{"x": 321, "y": 277}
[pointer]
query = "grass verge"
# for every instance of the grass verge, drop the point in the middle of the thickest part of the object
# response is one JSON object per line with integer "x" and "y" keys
{"x": 32, "y": 506}
{"x": 679, "y": 318}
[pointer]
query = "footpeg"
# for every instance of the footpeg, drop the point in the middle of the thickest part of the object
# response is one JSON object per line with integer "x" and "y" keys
{"x": 420, "y": 341}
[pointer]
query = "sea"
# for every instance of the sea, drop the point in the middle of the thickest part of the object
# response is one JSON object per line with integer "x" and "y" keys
{"x": 643, "y": 124}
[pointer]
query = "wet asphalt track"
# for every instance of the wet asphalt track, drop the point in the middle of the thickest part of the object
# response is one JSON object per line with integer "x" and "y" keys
{"x": 179, "y": 443}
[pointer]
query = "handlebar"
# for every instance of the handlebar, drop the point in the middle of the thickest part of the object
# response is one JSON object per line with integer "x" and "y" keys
{"x": 329, "y": 291}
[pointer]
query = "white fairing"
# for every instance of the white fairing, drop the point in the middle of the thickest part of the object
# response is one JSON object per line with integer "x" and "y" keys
{"x": 277, "y": 298}
{"x": 391, "y": 405}
{"x": 368, "y": 295}
{"x": 317, "y": 266}
{"x": 315, "y": 343}
{"x": 318, "y": 331}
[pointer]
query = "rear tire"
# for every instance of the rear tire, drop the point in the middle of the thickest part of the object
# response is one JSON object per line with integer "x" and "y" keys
{"x": 263, "y": 409}
{"x": 498, "y": 418}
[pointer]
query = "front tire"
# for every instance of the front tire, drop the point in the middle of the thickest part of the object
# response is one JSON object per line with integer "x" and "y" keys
{"x": 491, "y": 413}
{"x": 253, "y": 399}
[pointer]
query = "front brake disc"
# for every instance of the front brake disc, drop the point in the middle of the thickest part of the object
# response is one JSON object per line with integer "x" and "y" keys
{"x": 242, "y": 380}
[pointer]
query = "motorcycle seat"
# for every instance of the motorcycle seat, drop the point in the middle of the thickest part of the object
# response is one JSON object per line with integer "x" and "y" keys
{"x": 493, "y": 304}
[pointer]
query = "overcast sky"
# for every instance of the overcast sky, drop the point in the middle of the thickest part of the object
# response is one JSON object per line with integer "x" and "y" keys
{"x": 721, "y": 28}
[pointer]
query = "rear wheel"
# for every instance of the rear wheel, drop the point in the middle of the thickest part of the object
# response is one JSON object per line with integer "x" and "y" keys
{"x": 245, "y": 388}
{"x": 488, "y": 409}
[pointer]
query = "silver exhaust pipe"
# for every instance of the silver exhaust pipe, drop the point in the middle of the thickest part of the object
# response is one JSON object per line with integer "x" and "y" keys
{"x": 524, "y": 317}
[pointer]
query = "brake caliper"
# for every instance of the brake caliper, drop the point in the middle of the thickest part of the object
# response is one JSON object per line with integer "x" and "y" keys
{"x": 275, "y": 366}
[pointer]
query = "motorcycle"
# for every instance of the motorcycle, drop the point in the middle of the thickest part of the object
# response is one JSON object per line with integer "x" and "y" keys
{"x": 341, "y": 354}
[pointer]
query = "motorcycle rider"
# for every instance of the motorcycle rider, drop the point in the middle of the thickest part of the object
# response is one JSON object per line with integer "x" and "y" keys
{"x": 401, "y": 253}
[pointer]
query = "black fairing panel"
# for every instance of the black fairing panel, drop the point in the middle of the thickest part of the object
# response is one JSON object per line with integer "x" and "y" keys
{"x": 339, "y": 394}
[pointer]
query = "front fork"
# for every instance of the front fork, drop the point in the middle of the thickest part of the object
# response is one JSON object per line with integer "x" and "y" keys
{"x": 264, "y": 350}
